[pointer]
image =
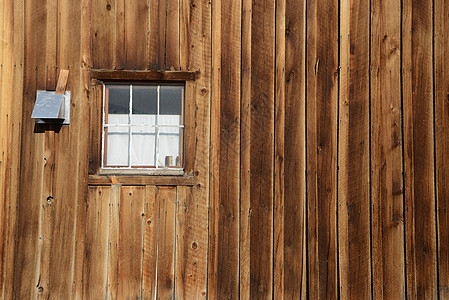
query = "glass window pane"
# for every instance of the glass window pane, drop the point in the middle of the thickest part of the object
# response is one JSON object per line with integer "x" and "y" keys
{"x": 170, "y": 110}
{"x": 170, "y": 147}
{"x": 118, "y": 99}
{"x": 143, "y": 147}
{"x": 144, "y": 100}
{"x": 116, "y": 146}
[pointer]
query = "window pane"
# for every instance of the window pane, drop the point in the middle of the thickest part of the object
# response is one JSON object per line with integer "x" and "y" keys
{"x": 170, "y": 147}
{"x": 116, "y": 148}
{"x": 143, "y": 147}
{"x": 170, "y": 109}
{"x": 144, "y": 100}
{"x": 118, "y": 102}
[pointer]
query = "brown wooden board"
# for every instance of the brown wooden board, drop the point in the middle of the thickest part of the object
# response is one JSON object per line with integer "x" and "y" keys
{"x": 150, "y": 246}
{"x": 12, "y": 175}
{"x": 294, "y": 159}
{"x": 262, "y": 146}
{"x": 152, "y": 75}
{"x": 67, "y": 156}
{"x": 388, "y": 260}
{"x": 183, "y": 197}
{"x": 417, "y": 86}
{"x": 245, "y": 151}
{"x": 96, "y": 243}
{"x": 353, "y": 154}
{"x": 103, "y": 38}
{"x": 130, "y": 241}
{"x": 32, "y": 160}
{"x": 441, "y": 11}
{"x": 279, "y": 154}
{"x": 136, "y": 34}
{"x": 214, "y": 171}
{"x": 228, "y": 218}
{"x": 197, "y": 34}
{"x": 322, "y": 109}
{"x": 157, "y": 25}
{"x": 114, "y": 242}
{"x": 6, "y": 92}
{"x": 172, "y": 35}
{"x": 166, "y": 197}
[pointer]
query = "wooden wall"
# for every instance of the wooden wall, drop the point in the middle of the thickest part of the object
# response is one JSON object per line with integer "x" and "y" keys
{"x": 320, "y": 158}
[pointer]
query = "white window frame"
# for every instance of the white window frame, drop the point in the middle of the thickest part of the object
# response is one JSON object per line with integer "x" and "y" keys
{"x": 157, "y": 169}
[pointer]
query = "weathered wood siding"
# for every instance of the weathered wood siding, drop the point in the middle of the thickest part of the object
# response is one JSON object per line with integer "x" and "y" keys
{"x": 320, "y": 149}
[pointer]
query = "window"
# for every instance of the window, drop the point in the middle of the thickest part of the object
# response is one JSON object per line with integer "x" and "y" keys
{"x": 143, "y": 126}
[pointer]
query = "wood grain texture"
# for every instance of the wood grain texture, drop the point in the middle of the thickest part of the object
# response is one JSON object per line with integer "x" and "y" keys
{"x": 419, "y": 182}
{"x": 295, "y": 262}
{"x": 96, "y": 243}
{"x": 262, "y": 145}
{"x": 7, "y": 84}
{"x": 228, "y": 215}
{"x": 130, "y": 241}
{"x": 12, "y": 176}
{"x": 322, "y": 109}
{"x": 166, "y": 197}
{"x": 197, "y": 34}
{"x": 136, "y": 34}
{"x": 279, "y": 154}
{"x": 156, "y": 75}
{"x": 32, "y": 160}
{"x": 245, "y": 151}
{"x": 67, "y": 156}
{"x": 441, "y": 71}
{"x": 214, "y": 171}
{"x": 150, "y": 244}
{"x": 354, "y": 145}
{"x": 114, "y": 242}
{"x": 183, "y": 196}
{"x": 388, "y": 257}
{"x": 103, "y": 37}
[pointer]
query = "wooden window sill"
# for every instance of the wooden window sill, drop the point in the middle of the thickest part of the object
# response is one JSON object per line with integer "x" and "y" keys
{"x": 130, "y": 179}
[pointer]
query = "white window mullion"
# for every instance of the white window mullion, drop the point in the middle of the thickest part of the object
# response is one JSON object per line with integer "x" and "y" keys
{"x": 102, "y": 133}
{"x": 157, "y": 126}
{"x": 130, "y": 124}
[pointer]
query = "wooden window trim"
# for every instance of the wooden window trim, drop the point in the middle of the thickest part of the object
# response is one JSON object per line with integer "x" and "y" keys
{"x": 98, "y": 176}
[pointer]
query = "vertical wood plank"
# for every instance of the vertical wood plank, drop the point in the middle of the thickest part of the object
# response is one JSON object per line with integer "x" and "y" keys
{"x": 172, "y": 35}
{"x": 322, "y": 109}
{"x": 183, "y": 197}
{"x": 136, "y": 34}
{"x": 96, "y": 243}
{"x": 114, "y": 242}
{"x": 118, "y": 11}
{"x": 214, "y": 172}
{"x": 157, "y": 30}
{"x": 150, "y": 245}
{"x": 83, "y": 148}
{"x": 95, "y": 126}
{"x": 228, "y": 218}
{"x": 12, "y": 193}
{"x": 6, "y": 92}
{"x": 295, "y": 281}
{"x": 166, "y": 197}
{"x": 354, "y": 144}
{"x": 197, "y": 35}
{"x": 245, "y": 151}
{"x": 388, "y": 258}
{"x": 131, "y": 243}
{"x": 419, "y": 149}
{"x": 279, "y": 154}
{"x": 32, "y": 157}
{"x": 441, "y": 12}
{"x": 67, "y": 143}
{"x": 47, "y": 208}
{"x": 103, "y": 38}
{"x": 262, "y": 146}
